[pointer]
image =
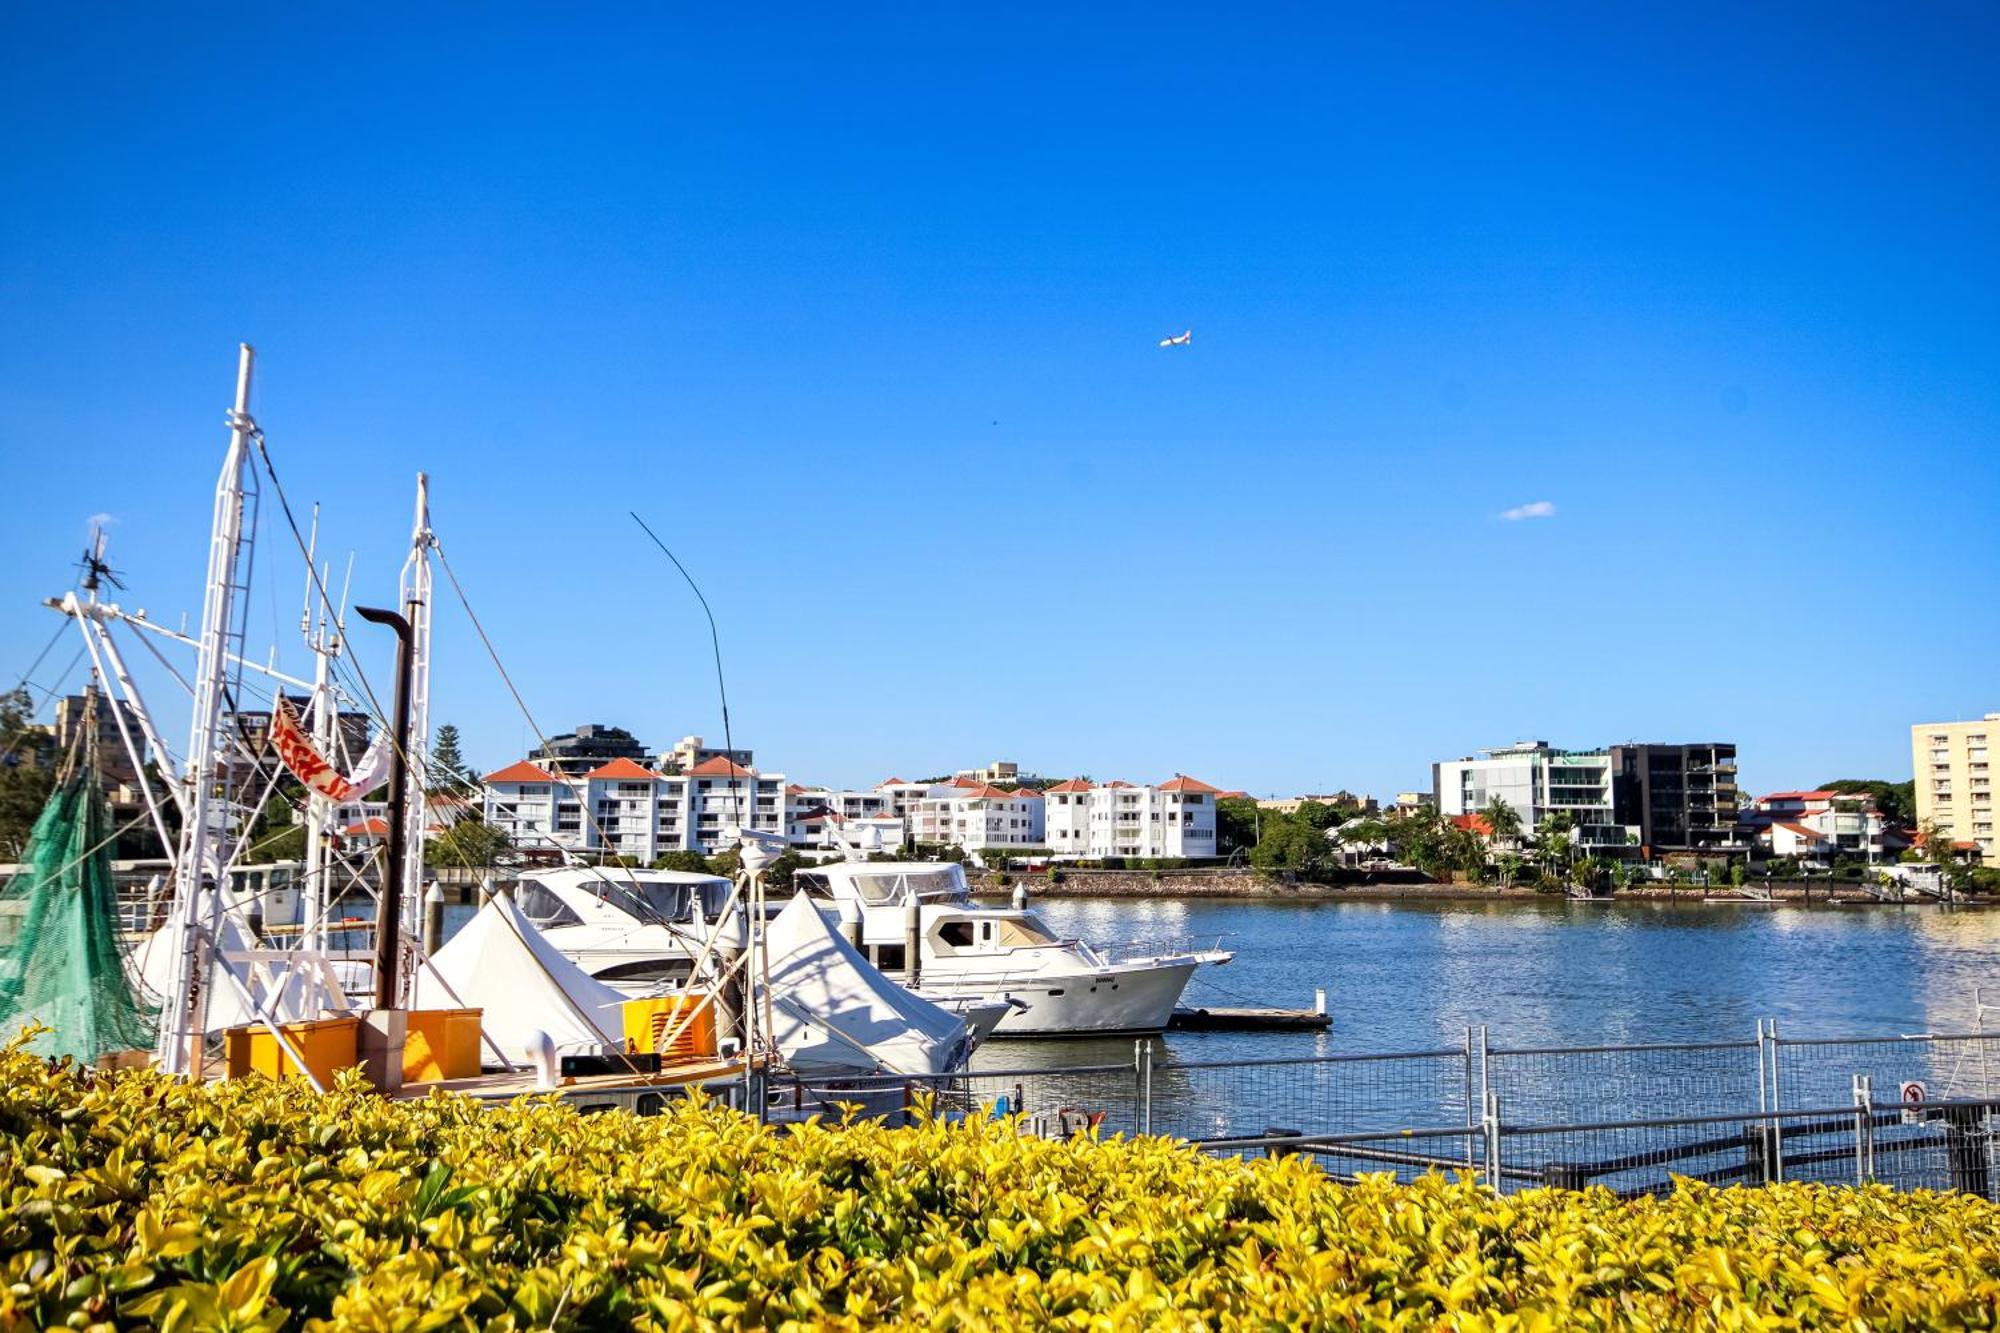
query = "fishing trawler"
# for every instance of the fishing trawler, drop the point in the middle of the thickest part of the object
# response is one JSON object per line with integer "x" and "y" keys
{"x": 231, "y": 998}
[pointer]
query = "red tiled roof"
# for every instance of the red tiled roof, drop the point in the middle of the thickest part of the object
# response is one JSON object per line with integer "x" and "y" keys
{"x": 1182, "y": 782}
{"x": 888, "y": 782}
{"x": 1802, "y": 830}
{"x": 794, "y": 789}
{"x": 1232, "y": 796}
{"x": 1801, "y": 796}
{"x": 1074, "y": 784}
{"x": 1117, "y": 783}
{"x": 965, "y": 782}
{"x": 721, "y": 767}
{"x": 621, "y": 768}
{"x": 373, "y": 827}
{"x": 521, "y": 772}
{"x": 1479, "y": 824}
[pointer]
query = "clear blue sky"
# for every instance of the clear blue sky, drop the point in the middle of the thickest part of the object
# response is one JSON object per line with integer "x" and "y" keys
{"x": 864, "y": 312}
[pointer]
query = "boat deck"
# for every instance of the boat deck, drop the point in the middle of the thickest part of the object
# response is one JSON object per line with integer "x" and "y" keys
{"x": 505, "y": 1085}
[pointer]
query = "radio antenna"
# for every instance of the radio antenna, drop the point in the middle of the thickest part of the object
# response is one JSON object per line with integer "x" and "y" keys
{"x": 714, "y": 639}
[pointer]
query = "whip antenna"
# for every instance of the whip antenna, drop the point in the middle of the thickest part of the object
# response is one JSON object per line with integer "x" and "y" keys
{"x": 714, "y": 638}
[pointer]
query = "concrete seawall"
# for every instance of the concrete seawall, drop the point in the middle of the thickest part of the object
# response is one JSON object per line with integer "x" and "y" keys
{"x": 1239, "y": 883}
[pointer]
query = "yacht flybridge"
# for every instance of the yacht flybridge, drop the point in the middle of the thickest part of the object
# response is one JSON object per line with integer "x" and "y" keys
{"x": 918, "y": 920}
{"x": 637, "y": 931}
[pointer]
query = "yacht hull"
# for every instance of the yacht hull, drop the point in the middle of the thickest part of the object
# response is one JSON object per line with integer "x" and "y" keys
{"x": 1103, "y": 1002}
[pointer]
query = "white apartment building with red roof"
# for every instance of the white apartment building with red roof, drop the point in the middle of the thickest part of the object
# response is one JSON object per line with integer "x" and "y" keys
{"x": 623, "y": 808}
{"x": 1823, "y": 826}
{"x": 1175, "y": 818}
{"x": 976, "y": 816}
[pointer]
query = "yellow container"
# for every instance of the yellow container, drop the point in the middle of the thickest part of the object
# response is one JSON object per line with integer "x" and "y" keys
{"x": 439, "y": 1044}
{"x": 326, "y": 1045}
{"x": 649, "y": 1021}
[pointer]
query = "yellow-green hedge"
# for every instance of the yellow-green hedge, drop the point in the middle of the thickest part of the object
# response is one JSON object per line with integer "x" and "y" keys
{"x": 133, "y": 1199}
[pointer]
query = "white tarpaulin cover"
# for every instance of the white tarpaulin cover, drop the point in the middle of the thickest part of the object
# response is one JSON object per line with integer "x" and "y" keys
{"x": 498, "y": 962}
{"x": 835, "y": 1013}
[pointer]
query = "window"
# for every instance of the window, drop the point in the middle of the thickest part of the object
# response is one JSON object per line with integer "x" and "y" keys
{"x": 958, "y": 934}
{"x": 542, "y": 907}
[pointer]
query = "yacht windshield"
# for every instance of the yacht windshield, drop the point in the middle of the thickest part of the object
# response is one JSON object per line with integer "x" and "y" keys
{"x": 649, "y": 901}
{"x": 889, "y": 886}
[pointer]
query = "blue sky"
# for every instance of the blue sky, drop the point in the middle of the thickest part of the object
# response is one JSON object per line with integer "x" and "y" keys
{"x": 862, "y": 313}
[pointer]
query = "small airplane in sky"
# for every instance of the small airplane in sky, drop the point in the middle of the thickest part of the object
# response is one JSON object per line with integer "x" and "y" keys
{"x": 1182, "y": 341}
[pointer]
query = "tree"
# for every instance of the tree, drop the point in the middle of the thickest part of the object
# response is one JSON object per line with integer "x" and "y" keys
{"x": 1293, "y": 844}
{"x": 1503, "y": 819}
{"x": 469, "y": 842}
{"x": 1237, "y": 824}
{"x": 693, "y": 863}
{"x": 1552, "y": 843}
{"x": 1896, "y": 801}
{"x": 1466, "y": 851}
{"x": 26, "y": 773}
{"x": 448, "y": 771}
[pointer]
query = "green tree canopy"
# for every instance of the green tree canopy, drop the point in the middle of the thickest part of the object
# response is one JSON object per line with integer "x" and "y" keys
{"x": 448, "y": 771}
{"x": 1896, "y": 800}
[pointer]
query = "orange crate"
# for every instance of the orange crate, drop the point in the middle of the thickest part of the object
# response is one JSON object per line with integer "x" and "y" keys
{"x": 649, "y": 1021}
{"x": 326, "y": 1045}
{"x": 439, "y": 1044}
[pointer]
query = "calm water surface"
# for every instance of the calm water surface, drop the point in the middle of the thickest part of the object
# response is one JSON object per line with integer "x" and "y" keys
{"x": 1404, "y": 976}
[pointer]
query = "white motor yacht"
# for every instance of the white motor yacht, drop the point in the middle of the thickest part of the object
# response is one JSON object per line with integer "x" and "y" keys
{"x": 1053, "y": 987}
{"x": 635, "y": 930}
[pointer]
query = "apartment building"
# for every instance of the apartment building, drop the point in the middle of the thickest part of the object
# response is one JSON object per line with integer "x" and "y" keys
{"x": 1681, "y": 798}
{"x": 690, "y": 752}
{"x": 590, "y": 746}
{"x": 827, "y": 820}
{"x": 626, "y": 809}
{"x": 1537, "y": 781}
{"x": 1955, "y": 781}
{"x": 976, "y": 816}
{"x": 1175, "y": 818}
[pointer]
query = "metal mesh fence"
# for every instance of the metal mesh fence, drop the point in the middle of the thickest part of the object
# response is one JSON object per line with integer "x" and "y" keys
{"x": 1406, "y": 1154}
{"x": 1050, "y": 1101}
{"x": 1629, "y": 1118}
{"x": 1317, "y": 1095}
{"x": 1820, "y": 1071}
{"x": 1549, "y": 1085}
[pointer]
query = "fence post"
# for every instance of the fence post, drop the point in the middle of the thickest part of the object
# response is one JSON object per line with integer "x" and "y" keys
{"x": 1864, "y": 1130}
{"x": 1490, "y": 1127}
{"x": 1471, "y": 1102}
{"x": 1142, "y": 1065}
{"x": 1965, "y": 1150}
{"x": 1777, "y": 1102}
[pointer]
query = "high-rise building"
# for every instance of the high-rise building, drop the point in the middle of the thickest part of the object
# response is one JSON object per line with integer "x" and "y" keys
{"x": 1682, "y": 798}
{"x": 1955, "y": 781}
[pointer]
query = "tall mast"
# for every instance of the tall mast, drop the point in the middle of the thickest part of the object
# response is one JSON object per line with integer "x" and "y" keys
{"x": 416, "y": 589}
{"x": 198, "y": 869}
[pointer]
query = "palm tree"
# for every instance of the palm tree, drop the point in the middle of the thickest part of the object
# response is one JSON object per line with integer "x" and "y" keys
{"x": 1552, "y": 841}
{"x": 1502, "y": 820}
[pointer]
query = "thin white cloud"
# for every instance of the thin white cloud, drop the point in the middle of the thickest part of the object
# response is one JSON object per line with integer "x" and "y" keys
{"x": 96, "y": 521}
{"x": 1536, "y": 509}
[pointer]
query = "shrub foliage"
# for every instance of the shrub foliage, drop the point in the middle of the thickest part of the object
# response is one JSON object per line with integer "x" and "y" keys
{"x": 133, "y": 1201}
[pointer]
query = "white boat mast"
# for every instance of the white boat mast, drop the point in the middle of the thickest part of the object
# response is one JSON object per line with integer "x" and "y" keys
{"x": 416, "y": 591}
{"x": 199, "y": 868}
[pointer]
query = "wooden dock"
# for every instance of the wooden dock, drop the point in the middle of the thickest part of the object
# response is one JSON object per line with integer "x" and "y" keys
{"x": 1224, "y": 1018}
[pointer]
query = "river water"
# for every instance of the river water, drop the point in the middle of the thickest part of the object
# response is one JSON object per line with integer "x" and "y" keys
{"x": 1411, "y": 975}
